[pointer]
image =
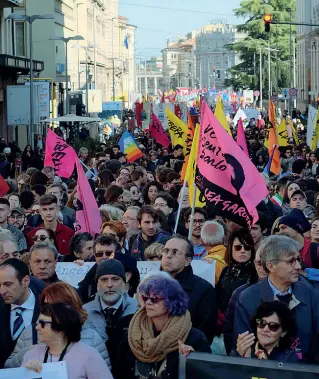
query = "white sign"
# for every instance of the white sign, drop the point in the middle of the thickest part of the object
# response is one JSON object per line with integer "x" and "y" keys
{"x": 18, "y": 105}
{"x": 248, "y": 96}
{"x": 201, "y": 268}
{"x": 95, "y": 101}
{"x": 72, "y": 273}
{"x": 49, "y": 371}
{"x": 43, "y": 97}
{"x": 312, "y": 117}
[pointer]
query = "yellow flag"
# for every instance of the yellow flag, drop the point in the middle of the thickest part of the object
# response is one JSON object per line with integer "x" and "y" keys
{"x": 191, "y": 172}
{"x": 315, "y": 135}
{"x": 220, "y": 115}
{"x": 294, "y": 132}
{"x": 282, "y": 133}
{"x": 177, "y": 130}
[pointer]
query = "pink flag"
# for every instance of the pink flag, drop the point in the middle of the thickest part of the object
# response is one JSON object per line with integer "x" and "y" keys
{"x": 157, "y": 131}
{"x": 88, "y": 218}
{"x": 59, "y": 155}
{"x": 227, "y": 178}
{"x": 241, "y": 138}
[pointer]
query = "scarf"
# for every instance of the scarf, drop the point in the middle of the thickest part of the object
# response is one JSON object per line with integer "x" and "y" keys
{"x": 238, "y": 269}
{"x": 261, "y": 353}
{"x": 148, "y": 348}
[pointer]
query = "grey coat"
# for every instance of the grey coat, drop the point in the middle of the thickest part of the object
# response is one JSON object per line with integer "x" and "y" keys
{"x": 96, "y": 317}
{"x": 89, "y": 336}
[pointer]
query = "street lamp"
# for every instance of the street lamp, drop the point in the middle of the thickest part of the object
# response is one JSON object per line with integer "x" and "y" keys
{"x": 86, "y": 48}
{"x": 30, "y": 20}
{"x": 66, "y": 40}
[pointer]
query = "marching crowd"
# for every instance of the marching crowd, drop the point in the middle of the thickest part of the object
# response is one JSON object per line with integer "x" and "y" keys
{"x": 264, "y": 304}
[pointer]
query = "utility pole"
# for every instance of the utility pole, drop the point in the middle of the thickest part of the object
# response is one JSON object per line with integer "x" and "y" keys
{"x": 291, "y": 65}
{"x": 260, "y": 79}
{"x": 113, "y": 65}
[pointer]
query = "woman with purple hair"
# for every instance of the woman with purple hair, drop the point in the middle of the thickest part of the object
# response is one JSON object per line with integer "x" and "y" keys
{"x": 159, "y": 331}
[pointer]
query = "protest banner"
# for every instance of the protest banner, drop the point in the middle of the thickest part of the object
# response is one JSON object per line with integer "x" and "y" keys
{"x": 282, "y": 133}
{"x": 129, "y": 147}
{"x": 312, "y": 116}
{"x": 177, "y": 130}
{"x": 59, "y": 155}
{"x": 315, "y": 133}
{"x": 221, "y": 117}
{"x": 209, "y": 366}
{"x": 4, "y": 187}
{"x": 189, "y": 142}
{"x": 157, "y": 132}
{"x": 201, "y": 268}
{"x": 231, "y": 183}
{"x": 88, "y": 217}
{"x": 72, "y": 273}
{"x": 273, "y": 141}
{"x": 49, "y": 371}
{"x": 240, "y": 114}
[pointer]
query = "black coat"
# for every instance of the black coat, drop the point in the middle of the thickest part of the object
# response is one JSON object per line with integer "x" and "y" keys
{"x": 126, "y": 370}
{"x": 87, "y": 287}
{"x": 229, "y": 281}
{"x": 202, "y": 301}
{"x": 7, "y": 345}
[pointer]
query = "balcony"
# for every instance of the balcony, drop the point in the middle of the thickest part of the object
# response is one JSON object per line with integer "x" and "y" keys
{"x": 9, "y": 3}
{"x": 19, "y": 64}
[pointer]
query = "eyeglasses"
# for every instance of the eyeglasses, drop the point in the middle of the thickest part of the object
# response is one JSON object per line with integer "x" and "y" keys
{"x": 41, "y": 238}
{"x": 129, "y": 219}
{"x": 292, "y": 261}
{"x": 106, "y": 254}
{"x": 135, "y": 192}
{"x": 152, "y": 299}
{"x": 240, "y": 247}
{"x": 18, "y": 218}
{"x": 175, "y": 252}
{"x": 273, "y": 326}
{"x": 199, "y": 222}
{"x": 43, "y": 323}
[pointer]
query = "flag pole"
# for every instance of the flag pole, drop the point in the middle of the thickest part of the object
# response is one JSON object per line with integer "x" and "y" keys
{"x": 88, "y": 168}
{"x": 191, "y": 224}
{"x": 180, "y": 206}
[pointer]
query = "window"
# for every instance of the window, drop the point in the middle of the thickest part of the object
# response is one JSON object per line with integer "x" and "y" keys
{"x": 20, "y": 41}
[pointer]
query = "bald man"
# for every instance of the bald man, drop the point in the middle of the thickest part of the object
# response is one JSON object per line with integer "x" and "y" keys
{"x": 212, "y": 237}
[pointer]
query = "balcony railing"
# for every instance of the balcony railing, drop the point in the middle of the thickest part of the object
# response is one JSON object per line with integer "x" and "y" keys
{"x": 9, "y": 3}
{"x": 20, "y": 64}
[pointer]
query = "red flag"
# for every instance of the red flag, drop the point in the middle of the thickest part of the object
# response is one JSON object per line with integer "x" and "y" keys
{"x": 88, "y": 218}
{"x": 241, "y": 138}
{"x": 59, "y": 155}
{"x": 138, "y": 113}
{"x": 227, "y": 178}
{"x": 4, "y": 187}
{"x": 157, "y": 131}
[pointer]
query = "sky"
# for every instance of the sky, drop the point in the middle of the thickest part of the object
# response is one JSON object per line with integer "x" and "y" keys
{"x": 155, "y": 26}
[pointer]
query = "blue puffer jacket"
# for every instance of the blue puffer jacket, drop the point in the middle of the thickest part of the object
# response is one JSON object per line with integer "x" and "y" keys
{"x": 137, "y": 245}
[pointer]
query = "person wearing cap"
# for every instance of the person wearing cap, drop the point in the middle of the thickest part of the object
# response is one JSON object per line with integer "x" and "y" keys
{"x": 280, "y": 258}
{"x": 298, "y": 200}
{"x": 17, "y": 218}
{"x": 112, "y": 309}
{"x": 295, "y": 225}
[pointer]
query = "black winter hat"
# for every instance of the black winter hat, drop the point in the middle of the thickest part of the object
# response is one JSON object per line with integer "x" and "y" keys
{"x": 110, "y": 267}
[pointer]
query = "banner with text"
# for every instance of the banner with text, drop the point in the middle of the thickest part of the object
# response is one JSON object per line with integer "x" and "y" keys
{"x": 49, "y": 371}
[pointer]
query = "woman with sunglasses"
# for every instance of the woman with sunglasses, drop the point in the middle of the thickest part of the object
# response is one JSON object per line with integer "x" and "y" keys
{"x": 240, "y": 269}
{"x": 63, "y": 293}
{"x": 159, "y": 331}
{"x": 59, "y": 328}
{"x": 44, "y": 235}
{"x": 273, "y": 329}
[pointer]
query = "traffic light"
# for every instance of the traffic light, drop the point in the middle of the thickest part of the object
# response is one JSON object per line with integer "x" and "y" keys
{"x": 267, "y": 19}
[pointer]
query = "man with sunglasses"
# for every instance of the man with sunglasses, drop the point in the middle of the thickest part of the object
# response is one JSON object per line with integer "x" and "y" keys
{"x": 281, "y": 260}
{"x": 19, "y": 305}
{"x": 112, "y": 309}
{"x": 104, "y": 248}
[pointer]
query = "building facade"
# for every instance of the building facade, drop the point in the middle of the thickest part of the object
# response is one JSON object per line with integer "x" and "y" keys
{"x": 212, "y": 57}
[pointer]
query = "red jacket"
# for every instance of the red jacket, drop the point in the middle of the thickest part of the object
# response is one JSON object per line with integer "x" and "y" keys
{"x": 63, "y": 235}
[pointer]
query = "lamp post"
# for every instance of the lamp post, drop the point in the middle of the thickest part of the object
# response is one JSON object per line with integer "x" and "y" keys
{"x": 30, "y": 20}
{"x": 66, "y": 40}
{"x": 86, "y": 48}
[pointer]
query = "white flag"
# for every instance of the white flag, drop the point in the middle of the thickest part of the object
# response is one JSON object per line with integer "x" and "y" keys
{"x": 240, "y": 114}
{"x": 312, "y": 116}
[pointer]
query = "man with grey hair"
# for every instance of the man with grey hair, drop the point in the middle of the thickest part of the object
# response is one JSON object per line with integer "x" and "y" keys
{"x": 43, "y": 262}
{"x": 8, "y": 246}
{"x": 212, "y": 237}
{"x": 281, "y": 260}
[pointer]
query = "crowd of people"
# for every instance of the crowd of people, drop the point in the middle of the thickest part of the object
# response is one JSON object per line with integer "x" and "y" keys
{"x": 262, "y": 303}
